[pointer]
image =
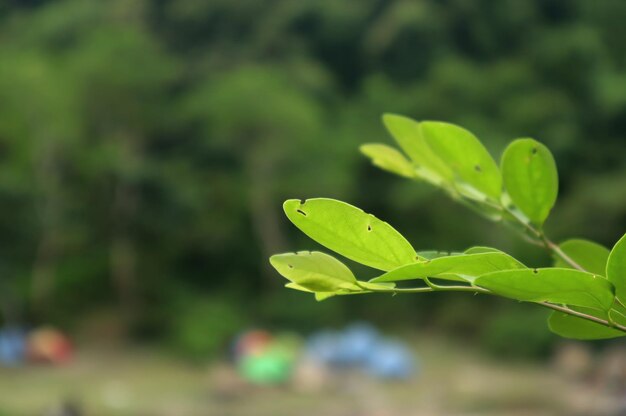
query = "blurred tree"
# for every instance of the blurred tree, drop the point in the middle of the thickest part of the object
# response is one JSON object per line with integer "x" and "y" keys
{"x": 147, "y": 146}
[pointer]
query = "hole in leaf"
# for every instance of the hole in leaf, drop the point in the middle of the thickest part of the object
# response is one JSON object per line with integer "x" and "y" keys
{"x": 477, "y": 168}
{"x": 534, "y": 151}
{"x": 535, "y": 271}
{"x": 299, "y": 211}
{"x": 369, "y": 228}
{"x": 290, "y": 266}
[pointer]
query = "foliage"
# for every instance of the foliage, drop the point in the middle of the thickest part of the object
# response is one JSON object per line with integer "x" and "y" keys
{"x": 588, "y": 303}
{"x": 204, "y": 327}
{"x": 146, "y": 145}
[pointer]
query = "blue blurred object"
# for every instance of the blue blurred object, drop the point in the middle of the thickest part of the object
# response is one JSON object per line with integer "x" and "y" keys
{"x": 323, "y": 347}
{"x": 361, "y": 346}
{"x": 356, "y": 344}
{"x": 391, "y": 360}
{"x": 12, "y": 346}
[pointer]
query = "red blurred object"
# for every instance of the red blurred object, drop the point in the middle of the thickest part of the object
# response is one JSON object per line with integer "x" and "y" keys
{"x": 252, "y": 343}
{"x": 49, "y": 345}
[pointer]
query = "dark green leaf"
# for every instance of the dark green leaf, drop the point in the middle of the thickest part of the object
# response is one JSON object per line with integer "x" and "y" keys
{"x": 616, "y": 268}
{"x": 530, "y": 178}
{"x": 562, "y": 286}
{"x": 589, "y": 255}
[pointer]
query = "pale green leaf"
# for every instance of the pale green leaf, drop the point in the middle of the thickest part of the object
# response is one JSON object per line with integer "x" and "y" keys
{"x": 562, "y": 286}
{"x": 589, "y": 255}
{"x": 465, "y": 267}
{"x": 530, "y": 178}
{"x": 292, "y": 285}
{"x": 351, "y": 232}
{"x": 407, "y": 134}
{"x": 481, "y": 249}
{"x": 616, "y": 268}
{"x": 314, "y": 271}
{"x": 389, "y": 159}
{"x": 476, "y": 174}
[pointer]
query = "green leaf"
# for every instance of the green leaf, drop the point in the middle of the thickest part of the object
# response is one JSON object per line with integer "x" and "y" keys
{"x": 433, "y": 254}
{"x": 569, "y": 326}
{"x": 407, "y": 133}
{"x": 476, "y": 174}
{"x": 616, "y": 268}
{"x": 589, "y": 255}
{"x": 481, "y": 249}
{"x": 464, "y": 267}
{"x": 314, "y": 271}
{"x": 530, "y": 178}
{"x": 562, "y": 286}
{"x": 389, "y": 159}
{"x": 295, "y": 286}
{"x": 351, "y": 232}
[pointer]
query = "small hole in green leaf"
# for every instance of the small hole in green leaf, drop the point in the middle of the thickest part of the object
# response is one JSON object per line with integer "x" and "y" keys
{"x": 369, "y": 228}
{"x": 534, "y": 151}
{"x": 477, "y": 168}
{"x": 535, "y": 271}
{"x": 290, "y": 266}
{"x": 299, "y": 211}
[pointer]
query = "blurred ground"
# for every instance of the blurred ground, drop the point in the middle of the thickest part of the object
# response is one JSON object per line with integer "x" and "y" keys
{"x": 453, "y": 380}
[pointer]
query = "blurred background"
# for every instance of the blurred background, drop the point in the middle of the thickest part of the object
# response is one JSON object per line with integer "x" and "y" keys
{"x": 145, "y": 151}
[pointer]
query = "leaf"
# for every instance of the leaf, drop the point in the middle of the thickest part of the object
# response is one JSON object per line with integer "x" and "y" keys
{"x": 589, "y": 255}
{"x": 569, "y": 326}
{"x": 389, "y": 159}
{"x": 616, "y": 268}
{"x": 433, "y": 254}
{"x": 476, "y": 174}
{"x": 314, "y": 271}
{"x": 481, "y": 249}
{"x": 295, "y": 286}
{"x": 464, "y": 267}
{"x": 407, "y": 133}
{"x": 530, "y": 178}
{"x": 351, "y": 232}
{"x": 562, "y": 286}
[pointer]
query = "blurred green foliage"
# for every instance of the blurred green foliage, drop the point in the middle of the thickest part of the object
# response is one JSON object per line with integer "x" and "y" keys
{"x": 148, "y": 145}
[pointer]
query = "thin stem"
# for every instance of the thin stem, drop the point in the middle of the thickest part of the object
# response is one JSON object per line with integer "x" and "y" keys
{"x": 582, "y": 315}
{"x": 557, "y": 250}
{"x": 437, "y": 288}
{"x": 547, "y": 243}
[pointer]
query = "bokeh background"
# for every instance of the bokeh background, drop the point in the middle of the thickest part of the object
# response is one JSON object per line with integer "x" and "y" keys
{"x": 146, "y": 148}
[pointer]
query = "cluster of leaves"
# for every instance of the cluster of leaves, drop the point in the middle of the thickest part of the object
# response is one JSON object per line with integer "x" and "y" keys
{"x": 586, "y": 287}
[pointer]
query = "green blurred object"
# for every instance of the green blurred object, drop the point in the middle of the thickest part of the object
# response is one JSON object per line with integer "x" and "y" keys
{"x": 273, "y": 366}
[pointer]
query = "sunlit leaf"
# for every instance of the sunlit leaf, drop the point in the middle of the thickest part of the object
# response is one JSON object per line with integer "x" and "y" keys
{"x": 476, "y": 174}
{"x": 389, "y": 159}
{"x": 589, "y": 255}
{"x": 562, "y": 286}
{"x": 465, "y": 267}
{"x": 314, "y": 271}
{"x": 407, "y": 133}
{"x": 481, "y": 249}
{"x": 351, "y": 232}
{"x": 616, "y": 268}
{"x": 530, "y": 178}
